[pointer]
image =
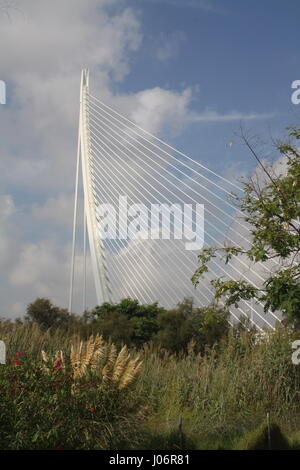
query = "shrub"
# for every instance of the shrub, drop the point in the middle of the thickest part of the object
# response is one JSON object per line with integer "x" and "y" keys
{"x": 82, "y": 402}
{"x": 128, "y": 321}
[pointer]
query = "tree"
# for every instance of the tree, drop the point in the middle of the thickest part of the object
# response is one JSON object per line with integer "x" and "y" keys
{"x": 116, "y": 326}
{"x": 47, "y": 315}
{"x": 141, "y": 320}
{"x": 212, "y": 325}
{"x": 273, "y": 211}
{"x": 175, "y": 330}
{"x": 204, "y": 325}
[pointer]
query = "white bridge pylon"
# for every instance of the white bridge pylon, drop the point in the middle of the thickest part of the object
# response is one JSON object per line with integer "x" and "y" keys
{"x": 119, "y": 159}
{"x": 90, "y": 221}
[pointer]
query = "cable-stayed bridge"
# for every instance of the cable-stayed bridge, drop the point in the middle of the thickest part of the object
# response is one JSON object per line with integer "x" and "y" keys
{"x": 148, "y": 210}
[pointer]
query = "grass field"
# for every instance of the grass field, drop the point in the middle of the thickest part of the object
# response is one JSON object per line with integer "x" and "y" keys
{"x": 223, "y": 396}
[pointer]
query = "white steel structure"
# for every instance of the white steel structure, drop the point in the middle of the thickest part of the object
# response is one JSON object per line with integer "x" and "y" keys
{"x": 118, "y": 157}
{"x": 90, "y": 222}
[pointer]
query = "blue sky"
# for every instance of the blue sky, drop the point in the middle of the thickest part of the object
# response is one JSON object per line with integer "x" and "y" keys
{"x": 188, "y": 70}
{"x": 245, "y": 55}
{"x": 241, "y": 56}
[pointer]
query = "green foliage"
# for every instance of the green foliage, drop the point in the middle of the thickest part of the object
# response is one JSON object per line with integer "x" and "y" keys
{"x": 129, "y": 307}
{"x": 138, "y": 322}
{"x": 283, "y": 292}
{"x": 264, "y": 439}
{"x": 38, "y": 410}
{"x": 295, "y": 440}
{"x": 175, "y": 330}
{"x": 131, "y": 323}
{"x": 203, "y": 326}
{"x": 272, "y": 209}
{"x": 235, "y": 290}
{"x": 47, "y": 315}
{"x": 225, "y": 393}
{"x": 144, "y": 329}
{"x": 222, "y": 393}
{"x": 116, "y": 326}
{"x": 212, "y": 326}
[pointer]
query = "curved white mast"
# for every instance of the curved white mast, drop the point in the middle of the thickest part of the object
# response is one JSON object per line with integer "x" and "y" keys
{"x": 95, "y": 242}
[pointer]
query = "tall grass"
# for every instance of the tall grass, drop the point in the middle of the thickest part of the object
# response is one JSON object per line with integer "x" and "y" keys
{"x": 221, "y": 394}
{"x": 228, "y": 390}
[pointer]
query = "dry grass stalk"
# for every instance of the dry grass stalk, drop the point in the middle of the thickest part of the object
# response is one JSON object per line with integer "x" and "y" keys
{"x": 120, "y": 364}
{"x": 118, "y": 369}
{"x": 84, "y": 356}
{"x": 111, "y": 357}
{"x": 130, "y": 373}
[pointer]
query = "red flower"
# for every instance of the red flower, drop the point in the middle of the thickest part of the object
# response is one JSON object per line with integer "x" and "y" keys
{"x": 17, "y": 362}
{"x": 57, "y": 365}
{"x": 93, "y": 410}
{"x": 18, "y": 354}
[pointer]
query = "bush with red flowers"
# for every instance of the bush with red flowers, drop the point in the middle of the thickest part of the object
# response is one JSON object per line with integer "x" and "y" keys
{"x": 39, "y": 410}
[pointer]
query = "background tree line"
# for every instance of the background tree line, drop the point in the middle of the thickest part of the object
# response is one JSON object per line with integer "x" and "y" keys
{"x": 129, "y": 322}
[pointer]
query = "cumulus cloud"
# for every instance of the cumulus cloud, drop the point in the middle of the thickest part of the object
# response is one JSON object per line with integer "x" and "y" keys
{"x": 156, "y": 108}
{"x": 42, "y": 270}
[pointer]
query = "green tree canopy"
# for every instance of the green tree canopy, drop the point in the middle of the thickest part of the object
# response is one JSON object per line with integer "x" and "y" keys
{"x": 140, "y": 320}
{"x": 205, "y": 326}
{"x": 47, "y": 315}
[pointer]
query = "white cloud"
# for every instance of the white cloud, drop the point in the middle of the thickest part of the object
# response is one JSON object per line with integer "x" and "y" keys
{"x": 7, "y": 206}
{"x": 169, "y": 45}
{"x": 214, "y": 116}
{"x": 42, "y": 270}
{"x": 56, "y": 210}
{"x": 155, "y": 108}
{"x": 7, "y": 232}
